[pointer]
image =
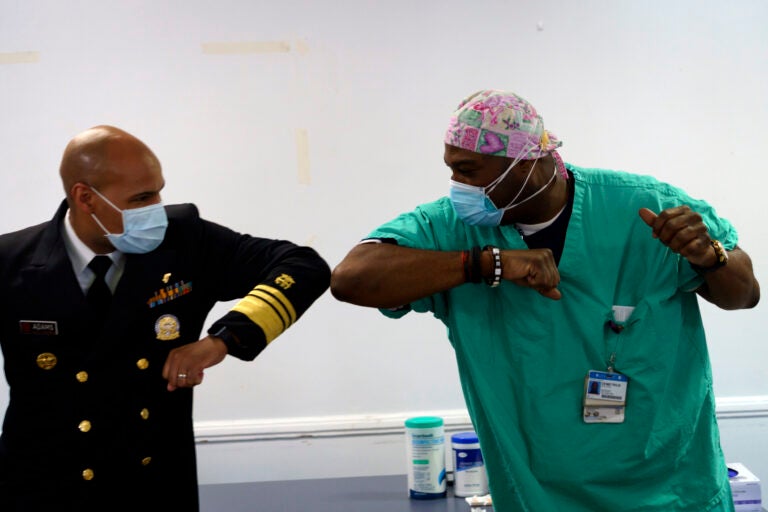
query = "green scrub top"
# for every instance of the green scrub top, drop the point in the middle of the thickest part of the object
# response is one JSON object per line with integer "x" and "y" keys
{"x": 523, "y": 358}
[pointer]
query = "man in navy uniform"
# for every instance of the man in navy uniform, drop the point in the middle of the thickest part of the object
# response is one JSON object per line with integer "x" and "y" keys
{"x": 101, "y": 310}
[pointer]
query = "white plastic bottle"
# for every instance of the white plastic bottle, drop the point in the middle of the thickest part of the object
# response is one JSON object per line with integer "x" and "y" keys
{"x": 425, "y": 449}
{"x": 469, "y": 476}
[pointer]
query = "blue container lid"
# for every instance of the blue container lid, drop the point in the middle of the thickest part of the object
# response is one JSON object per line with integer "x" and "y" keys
{"x": 464, "y": 438}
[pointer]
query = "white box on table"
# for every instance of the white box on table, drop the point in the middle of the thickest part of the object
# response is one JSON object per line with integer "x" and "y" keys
{"x": 745, "y": 488}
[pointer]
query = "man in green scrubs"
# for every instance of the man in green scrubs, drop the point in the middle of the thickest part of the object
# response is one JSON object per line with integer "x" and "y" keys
{"x": 570, "y": 298}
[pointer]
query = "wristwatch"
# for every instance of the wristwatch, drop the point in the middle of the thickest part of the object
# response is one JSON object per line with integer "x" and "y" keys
{"x": 721, "y": 261}
{"x": 230, "y": 340}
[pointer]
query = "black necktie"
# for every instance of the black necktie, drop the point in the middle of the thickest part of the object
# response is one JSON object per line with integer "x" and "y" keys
{"x": 99, "y": 296}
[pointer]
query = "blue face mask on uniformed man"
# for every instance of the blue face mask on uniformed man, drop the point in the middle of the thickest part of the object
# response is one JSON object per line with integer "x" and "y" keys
{"x": 143, "y": 228}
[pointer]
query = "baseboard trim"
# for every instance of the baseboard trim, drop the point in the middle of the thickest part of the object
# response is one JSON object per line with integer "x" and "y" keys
{"x": 256, "y": 430}
{"x": 733, "y": 407}
{"x": 320, "y": 426}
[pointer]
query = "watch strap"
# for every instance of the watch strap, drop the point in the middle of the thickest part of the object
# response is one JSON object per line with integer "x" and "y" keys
{"x": 721, "y": 258}
{"x": 229, "y": 339}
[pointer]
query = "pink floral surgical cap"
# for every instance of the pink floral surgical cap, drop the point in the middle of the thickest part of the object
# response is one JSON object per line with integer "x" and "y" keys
{"x": 501, "y": 123}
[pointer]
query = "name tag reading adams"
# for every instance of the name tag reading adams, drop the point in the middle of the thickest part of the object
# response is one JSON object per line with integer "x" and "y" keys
{"x": 39, "y": 327}
{"x": 605, "y": 397}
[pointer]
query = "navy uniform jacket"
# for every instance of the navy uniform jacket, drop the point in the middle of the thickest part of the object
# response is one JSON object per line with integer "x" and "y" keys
{"x": 90, "y": 424}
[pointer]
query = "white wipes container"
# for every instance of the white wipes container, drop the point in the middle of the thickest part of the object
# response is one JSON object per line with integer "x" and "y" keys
{"x": 469, "y": 476}
{"x": 425, "y": 447}
{"x": 745, "y": 488}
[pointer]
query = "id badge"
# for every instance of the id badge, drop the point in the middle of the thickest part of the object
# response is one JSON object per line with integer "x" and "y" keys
{"x": 605, "y": 397}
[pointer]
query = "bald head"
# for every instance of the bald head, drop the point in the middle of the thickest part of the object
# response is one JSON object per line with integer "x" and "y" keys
{"x": 101, "y": 155}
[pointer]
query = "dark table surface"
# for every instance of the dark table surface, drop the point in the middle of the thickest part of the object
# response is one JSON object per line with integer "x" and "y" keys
{"x": 358, "y": 494}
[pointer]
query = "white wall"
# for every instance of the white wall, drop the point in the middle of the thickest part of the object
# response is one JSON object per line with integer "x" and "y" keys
{"x": 317, "y": 121}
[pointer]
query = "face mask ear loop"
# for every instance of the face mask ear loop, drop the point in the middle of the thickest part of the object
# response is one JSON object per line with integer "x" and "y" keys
{"x": 106, "y": 233}
{"x": 110, "y": 203}
{"x": 522, "y": 187}
{"x": 542, "y": 189}
{"x": 490, "y": 187}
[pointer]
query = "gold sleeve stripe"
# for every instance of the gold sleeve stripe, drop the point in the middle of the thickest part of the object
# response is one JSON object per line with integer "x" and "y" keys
{"x": 282, "y": 314}
{"x": 276, "y": 297}
{"x": 268, "y": 308}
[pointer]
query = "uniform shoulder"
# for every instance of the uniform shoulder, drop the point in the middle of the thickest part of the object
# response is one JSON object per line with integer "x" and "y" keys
{"x": 17, "y": 248}
{"x": 15, "y": 239}
{"x": 415, "y": 223}
{"x": 441, "y": 207}
{"x": 184, "y": 223}
{"x": 425, "y": 212}
{"x": 183, "y": 216}
{"x": 182, "y": 211}
{"x": 24, "y": 232}
{"x": 614, "y": 178}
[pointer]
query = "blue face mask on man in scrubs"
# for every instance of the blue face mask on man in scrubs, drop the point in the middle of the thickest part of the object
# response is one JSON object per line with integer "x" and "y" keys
{"x": 143, "y": 228}
{"x": 474, "y": 205}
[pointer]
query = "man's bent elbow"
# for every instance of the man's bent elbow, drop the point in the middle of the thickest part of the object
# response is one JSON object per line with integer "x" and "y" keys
{"x": 755, "y": 297}
{"x": 344, "y": 285}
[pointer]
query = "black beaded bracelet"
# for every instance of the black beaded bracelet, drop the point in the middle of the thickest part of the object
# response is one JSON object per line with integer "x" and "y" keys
{"x": 495, "y": 279}
{"x": 475, "y": 270}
